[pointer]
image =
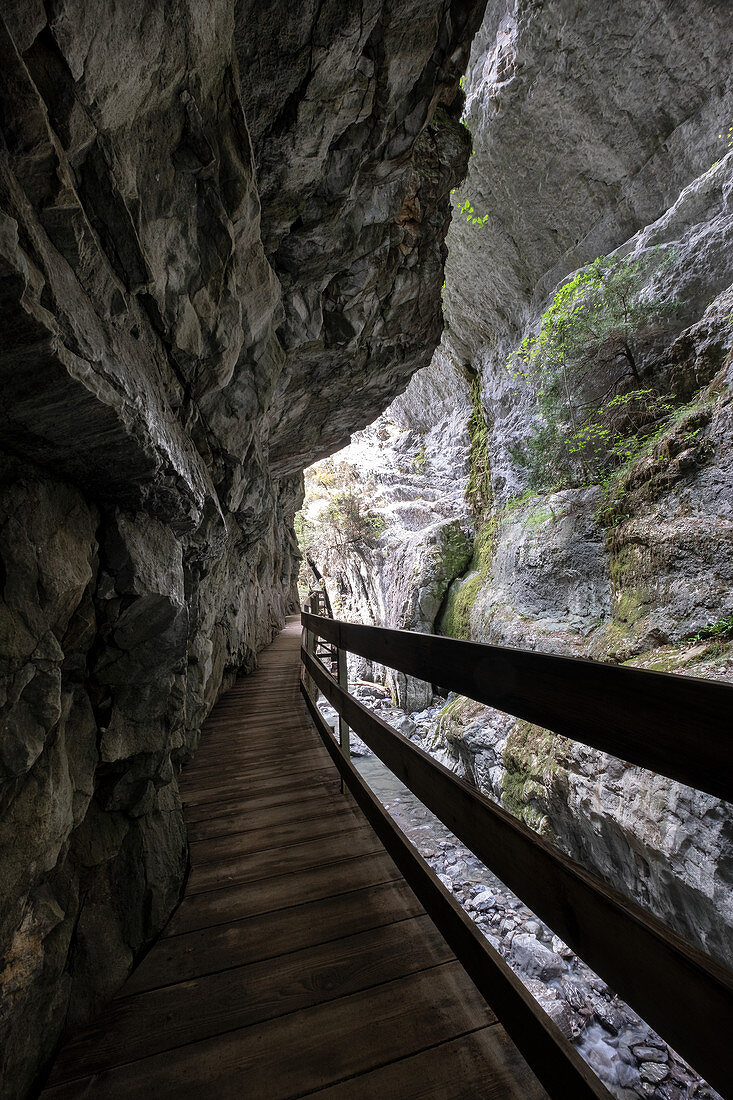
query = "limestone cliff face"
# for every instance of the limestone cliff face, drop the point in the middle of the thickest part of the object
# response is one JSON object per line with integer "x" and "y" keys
{"x": 221, "y": 251}
{"x": 648, "y": 578}
{"x": 595, "y": 132}
{"x": 386, "y": 520}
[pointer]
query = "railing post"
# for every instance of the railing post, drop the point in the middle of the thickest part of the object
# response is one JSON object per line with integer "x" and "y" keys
{"x": 309, "y": 645}
{"x": 343, "y": 679}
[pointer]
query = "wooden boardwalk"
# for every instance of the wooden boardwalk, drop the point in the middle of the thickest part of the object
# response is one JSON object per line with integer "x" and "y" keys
{"x": 299, "y": 962}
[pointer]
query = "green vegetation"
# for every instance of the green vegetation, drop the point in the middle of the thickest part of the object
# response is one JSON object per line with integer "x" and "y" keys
{"x": 455, "y": 620}
{"x": 478, "y": 489}
{"x": 533, "y": 757}
{"x": 344, "y": 523}
{"x": 420, "y": 461}
{"x": 349, "y": 521}
{"x": 719, "y": 631}
{"x": 453, "y": 553}
{"x": 584, "y": 366}
{"x": 466, "y": 208}
{"x": 648, "y": 463}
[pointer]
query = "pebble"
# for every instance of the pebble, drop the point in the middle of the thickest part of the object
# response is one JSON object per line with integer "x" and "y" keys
{"x": 653, "y": 1072}
{"x": 650, "y": 1054}
{"x": 561, "y": 948}
{"x": 484, "y": 901}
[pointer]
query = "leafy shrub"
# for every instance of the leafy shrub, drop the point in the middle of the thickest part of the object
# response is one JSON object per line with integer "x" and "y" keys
{"x": 584, "y": 366}
{"x": 346, "y": 522}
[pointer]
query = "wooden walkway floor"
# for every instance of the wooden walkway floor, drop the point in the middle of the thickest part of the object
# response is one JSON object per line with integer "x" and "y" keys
{"x": 299, "y": 962}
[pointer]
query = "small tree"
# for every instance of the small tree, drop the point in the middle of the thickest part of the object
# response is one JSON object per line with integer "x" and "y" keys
{"x": 584, "y": 365}
{"x": 345, "y": 522}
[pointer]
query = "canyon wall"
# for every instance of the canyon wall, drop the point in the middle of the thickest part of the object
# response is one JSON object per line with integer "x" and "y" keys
{"x": 594, "y": 132}
{"x": 221, "y": 251}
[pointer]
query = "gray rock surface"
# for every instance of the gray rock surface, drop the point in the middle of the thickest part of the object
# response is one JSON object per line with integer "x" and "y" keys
{"x": 221, "y": 251}
{"x": 407, "y": 470}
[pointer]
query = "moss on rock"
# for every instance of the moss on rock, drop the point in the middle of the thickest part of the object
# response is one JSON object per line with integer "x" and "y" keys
{"x": 478, "y": 489}
{"x": 456, "y": 617}
{"x": 454, "y": 553}
{"x": 533, "y": 757}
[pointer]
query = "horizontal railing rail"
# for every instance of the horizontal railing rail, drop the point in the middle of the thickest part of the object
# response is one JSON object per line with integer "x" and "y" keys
{"x": 678, "y": 726}
{"x": 679, "y": 990}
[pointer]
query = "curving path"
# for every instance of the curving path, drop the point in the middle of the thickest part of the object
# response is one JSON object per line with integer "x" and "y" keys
{"x": 299, "y": 962}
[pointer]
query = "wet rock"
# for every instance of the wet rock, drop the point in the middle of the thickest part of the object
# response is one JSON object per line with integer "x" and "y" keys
{"x": 484, "y": 901}
{"x": 653, "y": 1072}
{"x": 366, "y": 692}
{"x": 650, "y": 1054}
{"x": 612, "y": 1019}
{"x": 532, "y": 958}
{"x": 574, "y": 994}
{"x": 405, "y": 726}
{"x": 559, "y": 1012}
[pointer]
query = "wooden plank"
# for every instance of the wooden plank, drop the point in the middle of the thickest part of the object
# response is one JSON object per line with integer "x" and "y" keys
{"x": 313, "y": 777}
{"x": 251, "y": 766}
{"x": 679, "y": 726}
{"x": 324, "y": 795}
{"x": 683, "y": 993}
{"x": 269, "y": 836}
{"x": 312, "y": 1049}
{"x": 277, "y": 861}
{"x": 313, "y": 963}
{"x": 238, "y": 743}
{"x": 269, "y": 934}
{"x": 269, "y": 894}
{"x": 249, "y": 777}
{"x": 484, "y": 1064}
{"x": 260, "y": 736}
{"x": 259, "y": 730}
{"x": 241, "y": 804}
{"x": 241, "y": 996}
{"x": 281, "y": 813}
{"x": 553, "y": 1059}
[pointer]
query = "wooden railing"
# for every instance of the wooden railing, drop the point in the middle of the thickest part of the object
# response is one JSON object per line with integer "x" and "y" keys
{"x": 677, "y": 726}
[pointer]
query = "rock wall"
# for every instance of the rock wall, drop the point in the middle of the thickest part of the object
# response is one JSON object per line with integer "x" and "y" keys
{"x": 405, "y": 475}
{"x": 593, "y": 133}
{"x": 221, "y": 251}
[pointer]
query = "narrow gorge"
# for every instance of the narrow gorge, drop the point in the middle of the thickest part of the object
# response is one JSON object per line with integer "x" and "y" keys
{"x": 239, "y": 242}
